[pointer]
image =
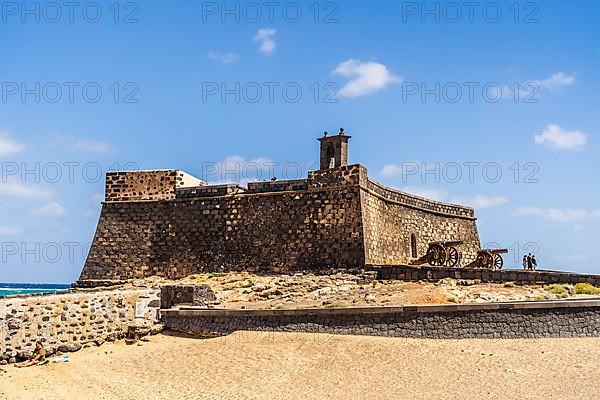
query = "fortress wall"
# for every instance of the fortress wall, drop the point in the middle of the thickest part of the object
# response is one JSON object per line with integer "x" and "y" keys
{"x": 268, "y": 232}
{"x": 391, "y": 217}
{"x": 208, "y": 191}
{"x": 147, "y": 185}
{"x": 346, "y": 175}
{"x": 337, "y": 218}
{"x": 278, "y": 186}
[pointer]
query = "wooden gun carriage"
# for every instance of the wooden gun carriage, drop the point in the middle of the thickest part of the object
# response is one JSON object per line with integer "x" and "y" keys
{"x": 488, "y": 258}
{"x": 440, "y": 253}
{"x": 444, "y": 253}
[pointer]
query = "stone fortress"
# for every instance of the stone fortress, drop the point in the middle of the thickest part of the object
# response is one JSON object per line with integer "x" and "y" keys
{"x": 170, "y": 224}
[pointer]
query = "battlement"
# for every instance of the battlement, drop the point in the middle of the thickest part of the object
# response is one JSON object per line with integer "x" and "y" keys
{"x": 279, "y": 186}
{"x": 163, "y": 185}
{"x": 147, "y": 185}
{"x": 208, "y": 191}
{"x": 415, "y": 201}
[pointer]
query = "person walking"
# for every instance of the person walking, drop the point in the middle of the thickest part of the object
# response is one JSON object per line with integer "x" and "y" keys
{"x": 534, "y": 262}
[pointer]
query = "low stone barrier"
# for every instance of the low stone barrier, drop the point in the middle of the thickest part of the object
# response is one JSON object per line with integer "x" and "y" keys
{"x": 66, "y": 322}
{"x": 434, "y": 274}
{"x": 572, "y": 318}
{"x": 191, "y": 295}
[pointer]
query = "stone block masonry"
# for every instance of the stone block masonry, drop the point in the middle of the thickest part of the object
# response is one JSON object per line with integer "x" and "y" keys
{"x": 68, "y": 321}
{"x": 259, "y": 232}
{"x": 393, "y": 222}
{"x": 434, "y": 274}
{"x": 193, "y": 295}
{"x": 492, "y": 320}
{"x": 333, "y": 219}
{"x": 147, "y": 185}
{"x": 169, "y": 224}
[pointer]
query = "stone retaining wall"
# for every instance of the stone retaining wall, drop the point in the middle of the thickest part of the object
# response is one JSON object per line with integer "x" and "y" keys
{"x": 71, "y": 320}
{"x": 434, "y": 274}
{"x": 492, "y": 320}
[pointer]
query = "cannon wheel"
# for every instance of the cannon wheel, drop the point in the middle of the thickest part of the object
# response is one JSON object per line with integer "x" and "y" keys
{"x": 452, "y": 257}
{"x": 485, "y": 260}
{"x": 498, "y": 261}
{"x": 436, "y": 255}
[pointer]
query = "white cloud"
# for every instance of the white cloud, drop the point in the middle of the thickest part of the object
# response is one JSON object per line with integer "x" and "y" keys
{"x": 559, "y": 138}
{"x": 365, "y": 78}
{"x": 529, "y": 90}
{"x": 237, "y": 169}
{"x": 9, "y": 230}
{"x": 429, "y": 193}
{"x": 556, "y": 81}
{"x": 266, "y": 39}
{"x": 49, "y": 210}
{"x": 391, "y": 170}
{"x": 558, "y": 214}
{"x": 480, "y": 201}
{"x": 94, "y": 146}
{"x": 8, "y": 145}
{"x": 14, "y": 188}
{"x": 223, "y": 58}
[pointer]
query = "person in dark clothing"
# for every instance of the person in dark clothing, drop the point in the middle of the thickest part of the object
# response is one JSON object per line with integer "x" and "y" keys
{"x": 534, "y": 262}
{"x": 529, "y": 262}
{"x": 525, "y": 263}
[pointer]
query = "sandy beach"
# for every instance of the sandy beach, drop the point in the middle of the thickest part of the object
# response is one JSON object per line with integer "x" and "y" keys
{"x": 250, "y": 365}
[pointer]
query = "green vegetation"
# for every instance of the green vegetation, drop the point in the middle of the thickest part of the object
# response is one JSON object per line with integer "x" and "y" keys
{"x": 559, "y": 290}
{"x": 510, "y": 284}
{"x": 534, "y": 286}
{"x": 586, "y": 288}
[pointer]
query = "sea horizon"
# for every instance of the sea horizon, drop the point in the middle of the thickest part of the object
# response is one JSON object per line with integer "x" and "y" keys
{"x": 18, "y": 288}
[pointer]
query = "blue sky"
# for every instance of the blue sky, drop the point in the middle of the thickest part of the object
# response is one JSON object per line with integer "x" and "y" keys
{"x": 179, "y": 84}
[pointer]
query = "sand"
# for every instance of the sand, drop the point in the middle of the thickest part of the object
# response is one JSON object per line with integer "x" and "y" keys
{"x": 248, "y": 365}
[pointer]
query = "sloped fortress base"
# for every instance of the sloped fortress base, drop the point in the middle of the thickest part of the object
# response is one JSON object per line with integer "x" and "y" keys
{"x": 170, "y": 224}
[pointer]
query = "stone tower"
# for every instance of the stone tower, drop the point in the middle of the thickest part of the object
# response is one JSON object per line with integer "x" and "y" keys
{"x": 334, "y": 150}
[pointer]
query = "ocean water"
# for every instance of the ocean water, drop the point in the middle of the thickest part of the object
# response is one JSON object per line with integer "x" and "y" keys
{"x": 8, "y": 289}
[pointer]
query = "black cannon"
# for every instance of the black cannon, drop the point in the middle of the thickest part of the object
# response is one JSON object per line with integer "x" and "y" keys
{"x": 489, "y": 259}
{"x": 440, "y": 253}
